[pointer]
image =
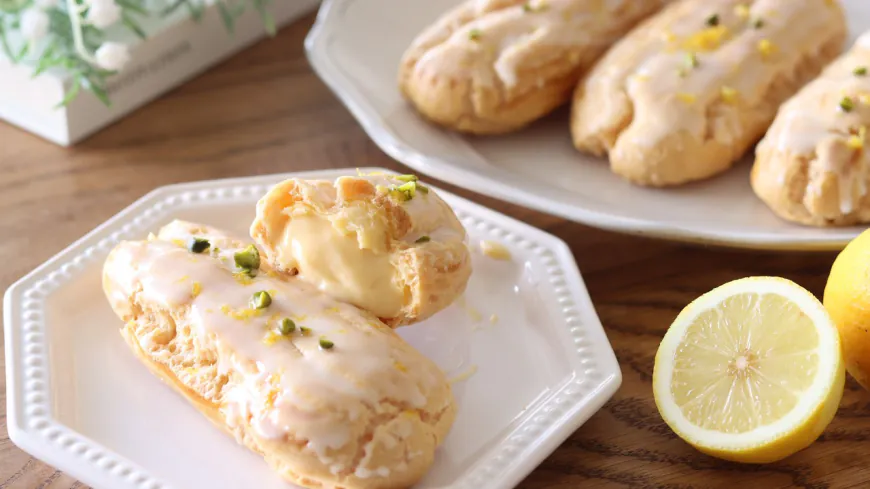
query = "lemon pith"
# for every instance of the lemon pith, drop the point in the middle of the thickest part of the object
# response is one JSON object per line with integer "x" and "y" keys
{"x": 750, "y": 371}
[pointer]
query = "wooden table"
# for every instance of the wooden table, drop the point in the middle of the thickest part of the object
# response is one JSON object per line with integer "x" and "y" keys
{"x": 265, "y": 111}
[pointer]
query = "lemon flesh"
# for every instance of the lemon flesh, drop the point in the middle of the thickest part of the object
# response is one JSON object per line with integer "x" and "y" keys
{"x": 750, "y": 371}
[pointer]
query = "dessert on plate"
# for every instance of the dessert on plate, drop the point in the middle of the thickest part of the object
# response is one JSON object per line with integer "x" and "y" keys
{"x": 684, "y": 95}
{"x": 494, "y": 66}
{"x": 812, "y": 166}
{"x": 385, "y": 243}
{"x": 330, "y": 396}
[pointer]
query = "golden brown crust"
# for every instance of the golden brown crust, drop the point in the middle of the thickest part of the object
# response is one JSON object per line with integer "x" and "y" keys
{"x": 206, "y": 371}
{"x": 494, "y": 66}
{"x": 679, "y": 100}
{"x": 813, "y": 167}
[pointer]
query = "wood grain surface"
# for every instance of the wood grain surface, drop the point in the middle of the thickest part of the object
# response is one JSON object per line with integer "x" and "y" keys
{"x": 264, "y": 111}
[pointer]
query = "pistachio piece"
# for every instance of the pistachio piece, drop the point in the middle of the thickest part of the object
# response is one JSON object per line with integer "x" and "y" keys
{"x": 198, "y": 245}
{"x": 248, "y": 258}
{"x": 286, "y": 326}
{"x": 326, "y": 344}
{"x": 261, "y": 300}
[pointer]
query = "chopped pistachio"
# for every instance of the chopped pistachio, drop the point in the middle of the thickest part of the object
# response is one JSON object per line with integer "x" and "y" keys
{"x": 527, "y": 7}
{"x": 286, "y": 326}
{"x": 406, "y": 178}
{"x": 422, "y": 188}
{"x": 474, "y": 35}
{"x": 691, "y": 60}
{"x": 261, "y": 300}
{"x": 713, "y": 20}
{"x": 248, "y": 258}
{"x": 860, "y": 71}
{"x": 847, "y": 104}
{"x": 198, "y": 245}
{"x": 305, "y": 330}
{"x": 758, "y": 23}
{"x": 326, "y": 344}
{"x": 423, "y": 239}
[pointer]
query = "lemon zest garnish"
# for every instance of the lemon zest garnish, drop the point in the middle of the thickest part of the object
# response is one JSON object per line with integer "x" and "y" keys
{"x": 669, "y": 36}
{"x": 495, "y": 250}
{"x": 400, "y": 366}
{"x": 243, "y": 278}
{"x": 708, "y": 39}
{"x": 464, "y": 375}
{"x": 765, "y": 47}
{"x": 179, "y": 243}
{"x": 270, "y": 398}
{"x": 729, "y": 95}
{"x": 182, "y": 279}
{"x": 855, "y": 142}
{"x": 271, "y": 338}
{"x": 333, "y": 309}
{"x": 641, "y": 77}
{"x": 687, "y": 98}
{"x": 243, "y": 314}
{"x": 742, "y": 11}
{"x": 864, "y": 98}
{"x": 196, "y": 288}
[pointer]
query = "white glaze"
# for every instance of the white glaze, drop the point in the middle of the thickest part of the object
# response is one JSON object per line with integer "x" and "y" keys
{"x": 516, "y": 38}
{"x": 315, "y": 391}
{"x": 670, "y": 96}
{"x": 813, "y": 125}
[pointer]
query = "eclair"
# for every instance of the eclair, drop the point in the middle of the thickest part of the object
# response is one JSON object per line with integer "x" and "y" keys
{"x": 812, "y": 167}
{"x": 329, "y": 395}
{"x": 686, "y": 94}
{"x": 385, "y": 243}
{"x": 495, "y": 66}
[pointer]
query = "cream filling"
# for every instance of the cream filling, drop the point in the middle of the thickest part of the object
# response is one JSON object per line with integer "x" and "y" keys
{"x": 336, "y": 265}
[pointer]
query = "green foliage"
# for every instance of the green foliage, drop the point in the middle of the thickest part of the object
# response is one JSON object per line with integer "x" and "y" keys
{"x": 71, "y": 42}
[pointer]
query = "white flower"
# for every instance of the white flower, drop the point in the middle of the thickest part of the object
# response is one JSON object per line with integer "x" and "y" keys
{"x": 112, "y": 56}
{"x": 34, "y": 24}
{"x": 103, "y": 13}
{"x": 44, "y": 4}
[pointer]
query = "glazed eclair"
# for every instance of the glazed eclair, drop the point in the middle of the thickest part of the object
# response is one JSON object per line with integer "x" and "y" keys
{"x": 812, "y": 167}
{"x": 385, "y": 243}
{"x": 494, "y": 66}
{"x": 687, "y": 93}
{"x": 327, "y": 394}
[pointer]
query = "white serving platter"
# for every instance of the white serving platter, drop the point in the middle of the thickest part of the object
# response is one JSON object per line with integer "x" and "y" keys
{"x": 355, "y": 47}
{"x": 79, "y": 400}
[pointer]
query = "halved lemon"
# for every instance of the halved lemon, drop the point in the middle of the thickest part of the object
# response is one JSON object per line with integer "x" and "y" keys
{"x": 751, "y": 371}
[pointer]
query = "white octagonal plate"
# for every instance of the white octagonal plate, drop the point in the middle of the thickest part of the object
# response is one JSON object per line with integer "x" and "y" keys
{"x": 355, "y": 47}
{"x": 527, "y": 353}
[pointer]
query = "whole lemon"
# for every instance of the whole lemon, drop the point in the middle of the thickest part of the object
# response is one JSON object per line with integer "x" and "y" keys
{"x": 847, "y": 299}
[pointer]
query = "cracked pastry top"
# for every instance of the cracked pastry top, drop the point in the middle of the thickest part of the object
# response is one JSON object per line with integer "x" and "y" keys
{"x": 812, "y": 166}
{"x": 494, "y": 66}
{"x": 329, "y": 395}
{"x": 385, "y": 243}
{"x": 688, "y": 92}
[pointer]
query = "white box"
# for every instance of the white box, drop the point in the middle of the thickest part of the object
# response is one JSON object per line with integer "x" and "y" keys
{"x": 176, "y": 50}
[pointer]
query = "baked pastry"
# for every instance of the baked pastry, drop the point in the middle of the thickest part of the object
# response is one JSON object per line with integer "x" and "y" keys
{"x": 385, "y": 243}
{"x": 686, "y": 94}
{"x": 327, "y": 394}
{"x": 812, "y": 167}
{"x": 494, "y": 66}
